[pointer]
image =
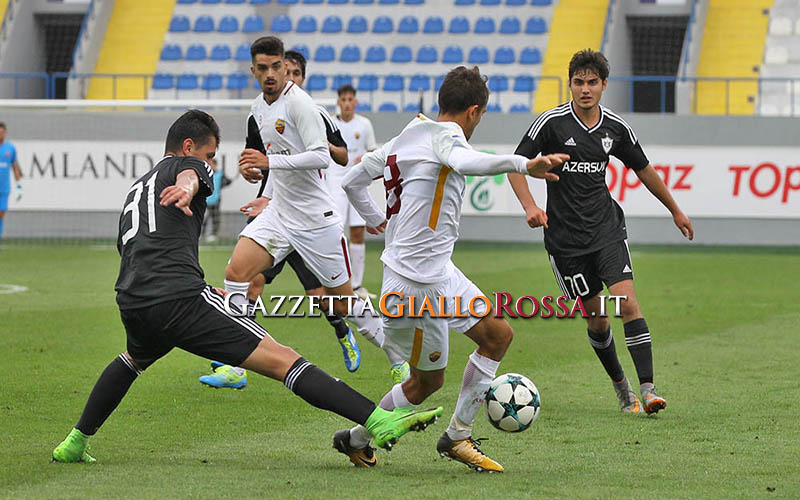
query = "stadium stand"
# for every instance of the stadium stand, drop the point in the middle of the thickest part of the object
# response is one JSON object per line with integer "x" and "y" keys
{"x": 781, "y": 60}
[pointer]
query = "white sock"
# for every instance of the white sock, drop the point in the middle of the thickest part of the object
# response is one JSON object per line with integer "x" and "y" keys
{"x": 371, "y": 327}
{"x": 478, "y": 375}
{"x": 238, "y": 291}
{"x": 358, "y": 255}
{"x": 396, "y": 398}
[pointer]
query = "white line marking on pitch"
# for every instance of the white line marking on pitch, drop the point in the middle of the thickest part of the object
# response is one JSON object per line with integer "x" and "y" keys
{"x": 6, "y": 289}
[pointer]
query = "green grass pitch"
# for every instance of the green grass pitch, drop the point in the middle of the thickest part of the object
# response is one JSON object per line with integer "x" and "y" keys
{"x": 724, "y": 325}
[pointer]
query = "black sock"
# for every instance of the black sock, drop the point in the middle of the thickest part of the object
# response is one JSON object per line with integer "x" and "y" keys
{"x": 323, "y": 391}
{"x": 109, "y": 390}
{"x": 603, "y": 344}
{"x": 339, "y": 325}
{"x": 637, "y": 337}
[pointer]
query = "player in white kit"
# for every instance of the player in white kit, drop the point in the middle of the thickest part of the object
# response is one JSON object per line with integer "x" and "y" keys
{"x": 424, "y": 171}
{"x": 359, "y": 135}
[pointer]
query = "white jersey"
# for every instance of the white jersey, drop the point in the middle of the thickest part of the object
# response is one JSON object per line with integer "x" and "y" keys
{"x": 293, "y": 134}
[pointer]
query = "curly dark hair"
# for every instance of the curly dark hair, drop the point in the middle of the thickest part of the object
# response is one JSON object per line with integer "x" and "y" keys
{"x": 589, "y": 60}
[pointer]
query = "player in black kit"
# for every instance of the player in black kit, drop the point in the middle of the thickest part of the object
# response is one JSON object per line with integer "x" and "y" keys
{"x": 165, "y": 303}
{"x": 584, "y": 228}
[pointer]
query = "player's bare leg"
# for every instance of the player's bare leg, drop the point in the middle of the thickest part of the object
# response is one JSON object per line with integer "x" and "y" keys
{"x": 248, "y": 259}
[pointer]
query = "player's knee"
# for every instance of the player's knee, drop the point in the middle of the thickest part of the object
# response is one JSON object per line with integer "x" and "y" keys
{"x": 630, "y": 308}
{"x": 421, "y": 385}
{"x": 598, "y": 325}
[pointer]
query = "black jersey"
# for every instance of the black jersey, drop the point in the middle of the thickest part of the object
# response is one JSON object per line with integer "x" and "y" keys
{"x": 582, "y": 216}
{"x": 158, "y": 245}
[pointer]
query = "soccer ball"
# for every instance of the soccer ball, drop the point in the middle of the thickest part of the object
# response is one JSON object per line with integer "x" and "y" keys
{"x": 512, "y": 402}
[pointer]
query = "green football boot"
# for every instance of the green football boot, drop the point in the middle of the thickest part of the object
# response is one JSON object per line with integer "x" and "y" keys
{"x": 73, "y": 449}
{"x": 386, "y": 427}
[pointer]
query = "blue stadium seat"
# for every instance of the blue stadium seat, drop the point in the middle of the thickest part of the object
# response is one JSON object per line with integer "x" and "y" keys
{"x": 196, "y": 53}
{"x": 509, "y": 26}
{"x": 187, "y": 82}
{"x": 504, "y": 55}
{"x": 412, "y": 107}
{"x": 453, "y": 55}
{"x": 375, "y": 54}
{"x": 259, "y": 2}
{"x": 414, "y": 2}
{"x": 493, "y": 108}
{"x": 419, "y": 82}
{"x": 303, "y": 49}
{"x": 203, "y": 24}
{"x": 255, "y": 24}
{"x": 519, "y": 108}
{"x": 363, "y": 107}
{"x": 337, "y": 2}
{"x": 163, "y": 82}
{"x": 234, "y": 2}
{"x": 212, "y": 82}
{"x": 435, "y": 108}
{"x": 228, "y": 24}
{"x": 393, "y": 83}
{"x": 541, "y": 3}
{"x": 243, "y": 52}
{"x": 179, "y": 24}
{"x": 490, "y": 2}
{"x": 388, "y": 107}
{"x": 281, "y": 24}
{"x": 524, "y": 83}
{"x": 388, "y": 2}
{"x": 367, "y": 83}
{"x": 306, "y": 24}
{"x": 408, "y": 24}
{"x": 363, "y": 2}
{"x": 437, "y": 84}
{"x": 332, "y": 24}
{"x": 220, "y": 53}
{"x": 187, "y": 2}
{"x": 459, "y": 24}
{"x": 478, "y": 55}
{"x": 536, "y": 26}
{"x": 316, "y": 82}
{"x": 515, "y": 3}
{"x": 484, "y": 26}
{"x": 530, "y": 55}
{"x": 465, "y": 2}
{"x": 433, "y": 25}
{"x": 383, "y": 24}
{"x": 171, "y": 53}
{"x": 210, "y": 2}
{"x": 498, "y": 83}
{"x": 312, "y": 1}
{"x": 340, "y": 80}
{"x": 427, "y": 54}
{"x": 287, "y": 2}
{"x": 237, "y": 81}
{"x": 350, "y": 54}
{"x": 357, "y": 24}
{"x": 324, "y": 53}
{"x": 401, "y": 54}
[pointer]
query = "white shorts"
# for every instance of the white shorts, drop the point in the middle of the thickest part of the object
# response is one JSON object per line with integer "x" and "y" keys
{"x": 424, "y": 341}
{"x": 349, "y": 215}
{"x": 323, "y": 250}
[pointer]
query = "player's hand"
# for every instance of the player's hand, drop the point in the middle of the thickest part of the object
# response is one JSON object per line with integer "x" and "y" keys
{"x": 19, "y": 191}
{"x": 251, "y": 162}
{"x": 684, "y": 224}
{"x": 377, "y": 229}
{"x": 220, "y": 291}
{"x": 540, "y": 166}
{"x": 255, "y": 207}
{"x": 536, "y": 217}
{"x": 180, "y": 196}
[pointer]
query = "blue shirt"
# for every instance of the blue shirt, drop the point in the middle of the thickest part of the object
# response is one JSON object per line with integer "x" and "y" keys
{"x": 214, "y": 198}
{"x": 8, "y": 156}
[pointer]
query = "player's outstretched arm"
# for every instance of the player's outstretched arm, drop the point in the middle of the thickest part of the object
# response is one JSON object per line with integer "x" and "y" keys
{"x": 540, "y": 166}
{"x": 534, "y": 216}
{"x": 652, "y": 181}
{"x": 181, "y": 193}
{"x": 355, "y": 185}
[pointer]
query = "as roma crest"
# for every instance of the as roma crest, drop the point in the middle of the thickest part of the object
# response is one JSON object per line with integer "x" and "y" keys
{"x": 435, "y": 355}
{"x": 358, "y": 136}
{"x": 280, "y": 126}
{"x": 607, "y": 142}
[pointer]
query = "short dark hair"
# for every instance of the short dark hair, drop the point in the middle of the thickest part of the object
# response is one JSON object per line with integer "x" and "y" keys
{"x": 196, "y": 125}
{"x": 589, "y": 60}
{"x": 461, "y": 89}
{"x": 267, "y": 45}
{"x": 2, "y": 125}
{"x": 297, "y": 58}
{"x": 346, "y": 89}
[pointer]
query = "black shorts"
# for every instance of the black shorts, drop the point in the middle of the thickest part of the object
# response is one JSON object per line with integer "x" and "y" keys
{"x": 197, "y": 324}
{"x": 304, "y": 274}
{"x": 584, "y": 275}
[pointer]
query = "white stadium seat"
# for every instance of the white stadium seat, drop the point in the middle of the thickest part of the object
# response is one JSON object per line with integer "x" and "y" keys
{"x": 777, "y": 55}
{"x": 780, "y": 26}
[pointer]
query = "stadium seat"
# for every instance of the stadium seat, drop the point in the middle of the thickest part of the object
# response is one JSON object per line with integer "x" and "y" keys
{"x": 459, "y": 24}
{"x": 228, "y": 24}
{"x": 237, "y": 81}
{"x": 332, "y": 24}
{"x": 163, "y": 82}
{"x": 179, "y": 24}
{"x": 220, "y": 53}
{"x": 509, "y": 26}
{"x": 337, "y": 2}
{"x": 414, "y": 2}
{"x": 187, "y": 2}
{"x": 255, "y": 24}
{"x": 515, "y": 3}
{"x": 287, "y": 2}
{"x": 519, "y": 108}
{"x": 780, "y": 26}
{"x": 433, "y": 25}
{"x": 303, "y": 49}
{"x": 453, "y": 55}
{"x": 375, "y": 54}
{"x": 316, "y": 82}
{"x": 203, "y": 24}
{"x": 412, "y": 107}
{"x": 350, "y": 54}
{"x": 388, "y": 107}
{"x": 478, "y": 55}
{"x": 306, "y": 24}
{"x": 357, "y": 24}
{"x": 435, "y": 108}
{"x": 494, "y": 108}
{"x": 363, "y": 2}
{"x": 427, "y": 54}
{"x": 196, "y": 53}
{"x": 797, "y": 27}
{"x": 498, "y": 83}
{"x": 530, "y": 55}
{"x": 388, "y": 2}
{"x": 383, "y": 24}
{"x": 535, "y": 26}
{"x": 408, "y": 24}
{"x": 363, "y": 107}
{"x": 339, "y": 80}
{"x": 465, "y": 2}
{"x": 524, "y": 83}
{"x": 541, "y": 3}
{"x": 259, "y": 2}
{"x": 234, "y": 2}
{"x": 419, "y": 82}
{"x": 484, "y": 26}
{"x": 437, "y": 84}
{"x": 393, "y": 83}
{"x": 504, "y": 55}
{"x": 281, "y": 24}
{"x": 187, "y": 82}
{"x": 776, "y": 55}
{"x": 210, "y": 2}
{"x": 490, "y": 3}
{"x": 324, "y": 53}
{"x": 401, "y": 54}
{"x": 367, "y": 83}
{"x": 312, "y": 1}
{"x": 243, "y": 52}
{"x": 212, "y": 82}
{"x": 171, "y": 53}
